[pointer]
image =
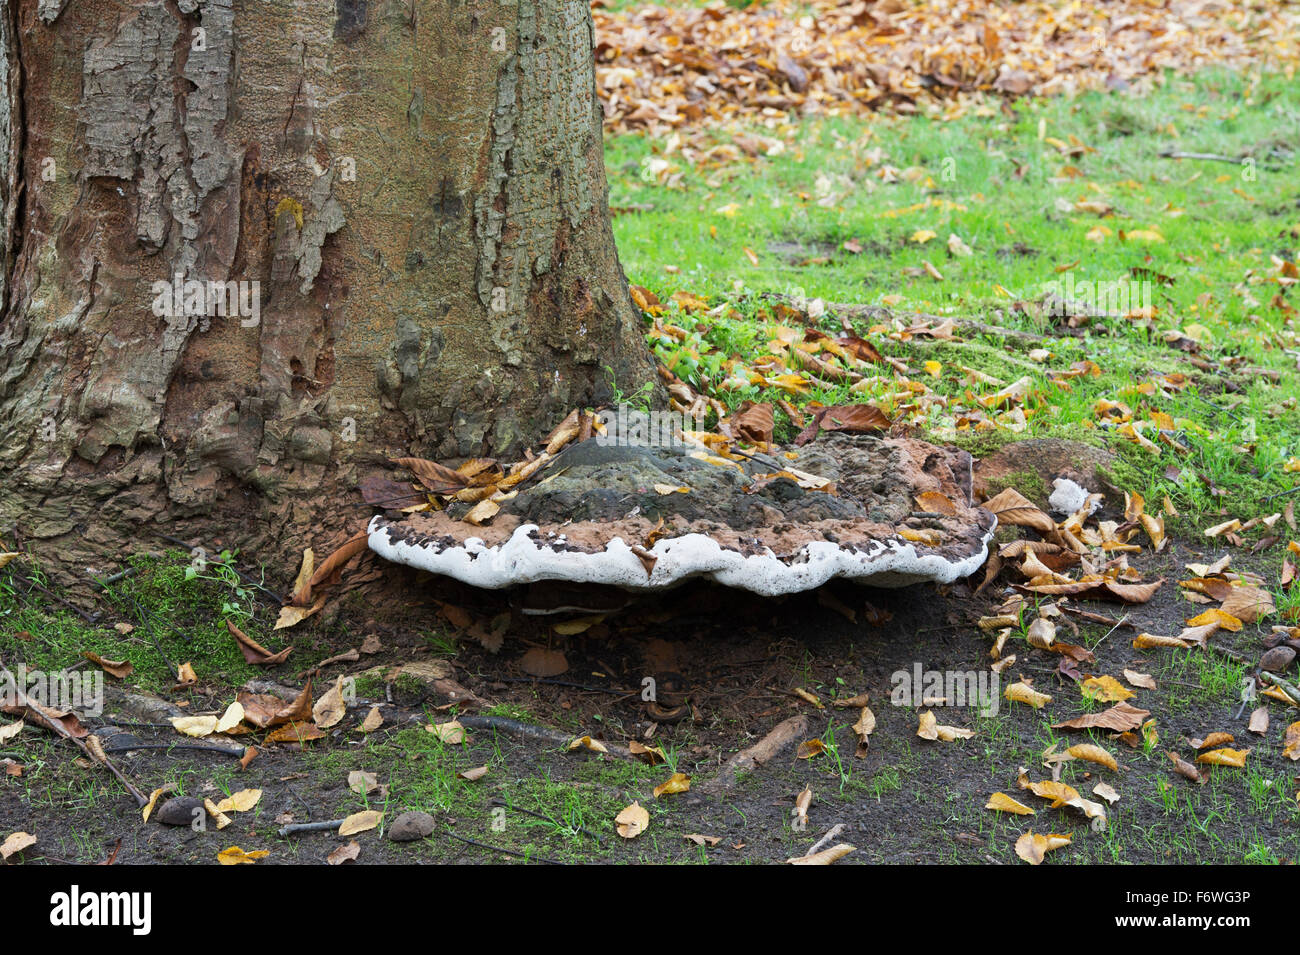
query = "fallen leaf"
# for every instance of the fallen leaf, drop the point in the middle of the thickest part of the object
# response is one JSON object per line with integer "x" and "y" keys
{"x": 242, "y": 801}
{"x": 237, "y": 856}
{"x": 342, "y": 854}
{"x": 331, "y": 707}
{"x": 449, "y": 732}
{"x": 1023, "y": 693}
{"x": 825, "y": 857}
{"x": 632, "y": 821}
{"x": 195, "y": 725}
{"x": 1106, "y": 689}
{"x": 1001, "y": 802}
{"x": 120, "y": 669}
{"x": 1093, "y": 754}
{"x": 16, "y": 843}
{"x": 676, "y": 783}
{"x": 1224, "y": 757}
{"x": 361, "y": 822}
{"x": 543, "y": 663}
{"x": 1032, "y": 847}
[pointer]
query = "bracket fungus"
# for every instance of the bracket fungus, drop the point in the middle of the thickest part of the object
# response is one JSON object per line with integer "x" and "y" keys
{"x": 883, "y": 511}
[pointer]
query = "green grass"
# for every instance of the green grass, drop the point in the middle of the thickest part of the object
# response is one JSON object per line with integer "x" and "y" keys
{"x": 1008, "y": 195}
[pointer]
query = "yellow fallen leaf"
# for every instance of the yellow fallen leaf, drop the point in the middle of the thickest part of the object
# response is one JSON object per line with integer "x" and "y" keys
{"x": 1224, "y": 757}
{"x": 825, "y": 857}
{"x": 1001, "y": 802}
{"x": 1093, "y": 754}
{"x": 237, "y": 856}
{"x": 1107, "y": 689}
{"x": 195, "y": 725}
{"x": 676, "y": 783}
{"x": 810, "y": 748}
{"x": 929, "y": 728}
{"x": 586, "y": 742}
{"x": 1032, "y": 847}
{"x": 360, "y": 822}
{"x": 242, "y": 801}
{"x": 1023, "y": 693}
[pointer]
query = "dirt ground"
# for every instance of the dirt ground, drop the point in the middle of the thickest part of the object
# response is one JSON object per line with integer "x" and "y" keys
{"x": 737, "y": 661}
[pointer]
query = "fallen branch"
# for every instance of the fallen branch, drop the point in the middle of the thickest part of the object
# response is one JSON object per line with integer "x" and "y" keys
{"x": 236, "y": 751}
{"x": 34, "y": 713}
{"x": 515, "y": 728}
{"x": 746, "y": 760}
{"x": 1209, "y": 157}
{"x": 1290, "y": 689}
{"x": 530, "y": 856}
{"x": 835, "y": 830}
{"x": 294, "y": 828}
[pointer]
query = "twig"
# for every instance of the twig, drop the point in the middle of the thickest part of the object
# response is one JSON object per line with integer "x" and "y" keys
{"x": 567, "y": 683}
{"x": 785, "y": 733}
{"x": 1209, "y": 157}
{"x": 835, "y": 830}
{"x": 516, "y": 728}
{"x": 1289, "y": 689}
{"x": 532, "y": 857}
{"x": 537, "y": 815}
{"x": 1111, "y": 630}
{"x": 294, "y": 828}
{"x": 92, "y": 620}
{"x": 236, "y": 751}
{"x": 41, "y": 719}
{"x": 1283, "y": 493}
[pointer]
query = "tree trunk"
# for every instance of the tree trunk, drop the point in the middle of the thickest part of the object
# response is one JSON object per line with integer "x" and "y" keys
{"x": 252, "y": 249}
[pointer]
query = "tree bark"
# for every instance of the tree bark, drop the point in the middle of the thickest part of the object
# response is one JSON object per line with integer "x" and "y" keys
{"x": 410, "y": 200}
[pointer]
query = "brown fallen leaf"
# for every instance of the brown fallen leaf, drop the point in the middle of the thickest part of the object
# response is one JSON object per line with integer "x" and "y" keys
{"x": 1012, "y": 507}
{"x": 254, "y": 652}
{"x": 1211, "y": 740}
{"x": 451, "y": 732}
{"x": 1258, "y": 721}
{"x": 810, "y": 748}
{"x": 540, "y": 662}
{"x": 342, "y": 854}
{"x": 1120, "y": 718}
{"x": 295, "y": 732}
{"x": 15, "y": 843}
{"x": 853, "y": 419}
{"x": 1291, "y": 741}
{"x": 1141, "y": 680}
{"x": 121, "y": 669}
{"x": 632, "y": 821}
{"x": 331, "y": 707}
{"x": 374, "y": 719}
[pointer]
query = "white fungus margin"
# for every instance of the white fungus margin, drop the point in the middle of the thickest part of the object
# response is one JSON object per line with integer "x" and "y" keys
{"x": 524, "y": 559}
